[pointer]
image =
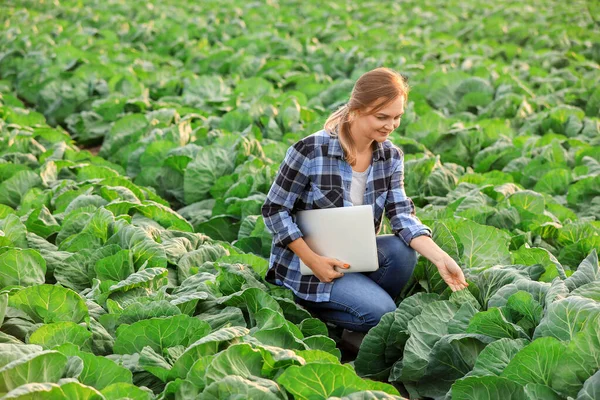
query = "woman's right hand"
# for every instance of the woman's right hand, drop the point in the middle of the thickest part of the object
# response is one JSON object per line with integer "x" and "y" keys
{"x": 324, "y": 268}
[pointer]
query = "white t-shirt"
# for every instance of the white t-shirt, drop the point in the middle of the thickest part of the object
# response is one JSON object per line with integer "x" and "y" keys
{"x": 357, "y": 188}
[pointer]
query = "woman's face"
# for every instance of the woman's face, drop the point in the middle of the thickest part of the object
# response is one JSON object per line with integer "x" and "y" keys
{"x": 380, "y": 125}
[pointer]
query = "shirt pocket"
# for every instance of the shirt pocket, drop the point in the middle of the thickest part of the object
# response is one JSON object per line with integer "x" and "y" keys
{"x": 327, "y": 197}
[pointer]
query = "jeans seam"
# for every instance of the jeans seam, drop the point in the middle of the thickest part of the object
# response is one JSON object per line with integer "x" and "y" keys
{"x": 385, "y": 270}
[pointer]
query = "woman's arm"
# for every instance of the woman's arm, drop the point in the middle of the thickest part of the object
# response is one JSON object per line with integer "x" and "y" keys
{"x": 425, "y": 246}
{"x": 448, "y": 268}
{"x": 401, "y": 212}
{"x": 289, "y": 183}
{"x": 400, "y": 209}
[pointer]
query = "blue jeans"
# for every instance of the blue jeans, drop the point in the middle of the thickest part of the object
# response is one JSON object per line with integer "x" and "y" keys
{"x": 359, "y": 300}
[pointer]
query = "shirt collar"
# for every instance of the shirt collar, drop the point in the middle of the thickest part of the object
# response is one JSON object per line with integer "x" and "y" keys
{"x": 336, "y": 150}
{"x": 379, "y": 152}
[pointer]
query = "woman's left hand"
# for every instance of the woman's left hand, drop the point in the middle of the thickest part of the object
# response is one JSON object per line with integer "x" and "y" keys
{"x": 451, "y": 273}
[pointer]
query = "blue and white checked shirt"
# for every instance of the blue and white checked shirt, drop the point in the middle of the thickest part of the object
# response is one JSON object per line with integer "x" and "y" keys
{"x": 314, "y": 175}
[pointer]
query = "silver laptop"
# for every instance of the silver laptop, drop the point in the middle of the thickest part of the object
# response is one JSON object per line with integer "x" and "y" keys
{"x": 345, "y": 233}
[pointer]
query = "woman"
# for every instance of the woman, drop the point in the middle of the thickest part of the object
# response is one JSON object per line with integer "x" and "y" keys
{"x": 352, "y": 162}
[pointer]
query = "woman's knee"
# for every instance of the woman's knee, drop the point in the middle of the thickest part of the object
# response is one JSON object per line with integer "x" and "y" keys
{"x": 394, "y": 248}
{"x": 377, "y": 309}
{"x": 408, "y": 255}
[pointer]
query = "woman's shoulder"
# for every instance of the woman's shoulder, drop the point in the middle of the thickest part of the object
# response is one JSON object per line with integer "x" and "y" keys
{"x": 391, "y": 151}
{"x": 316, "y": 139}
{"x": 307, "y": 145}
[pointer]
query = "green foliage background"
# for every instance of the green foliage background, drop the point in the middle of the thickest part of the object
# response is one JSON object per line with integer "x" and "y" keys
{"x": 138, "y": 272}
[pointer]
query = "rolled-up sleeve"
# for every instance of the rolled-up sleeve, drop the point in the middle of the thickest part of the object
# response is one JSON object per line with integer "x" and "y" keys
{"x": 290, "y": 181}
{"x": 400, "y": 209}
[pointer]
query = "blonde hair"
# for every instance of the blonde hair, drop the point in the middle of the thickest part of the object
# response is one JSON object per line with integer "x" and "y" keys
{"x": 371, "y": 86}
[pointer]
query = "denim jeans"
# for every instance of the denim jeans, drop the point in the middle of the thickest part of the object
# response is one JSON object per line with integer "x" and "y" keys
{"x": 359, "y": 300}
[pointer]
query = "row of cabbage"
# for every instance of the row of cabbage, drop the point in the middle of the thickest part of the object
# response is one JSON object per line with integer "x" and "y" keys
{"x": 510, "y": 336}
{"x": 205, "y": 119}
{"x": 500, "y": 136}
{"x": 75, "y": 221}
{"x": 105, "y": 292}
{"x": 214, "y": 58}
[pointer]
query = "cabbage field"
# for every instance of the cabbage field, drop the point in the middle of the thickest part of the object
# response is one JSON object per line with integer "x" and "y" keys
{"x": 138, "y": 141}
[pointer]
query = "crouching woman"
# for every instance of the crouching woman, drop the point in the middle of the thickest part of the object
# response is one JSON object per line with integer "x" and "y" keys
{"x": 352, "y": 162}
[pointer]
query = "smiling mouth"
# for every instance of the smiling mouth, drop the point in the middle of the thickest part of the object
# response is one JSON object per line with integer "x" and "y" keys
{"x": 384, "y": 132}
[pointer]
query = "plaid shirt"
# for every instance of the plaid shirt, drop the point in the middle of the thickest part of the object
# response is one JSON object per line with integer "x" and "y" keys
{"x": 314, "y": 175}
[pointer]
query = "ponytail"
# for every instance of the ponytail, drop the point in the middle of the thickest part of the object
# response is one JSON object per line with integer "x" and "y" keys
{"x": 338, "y": 125}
